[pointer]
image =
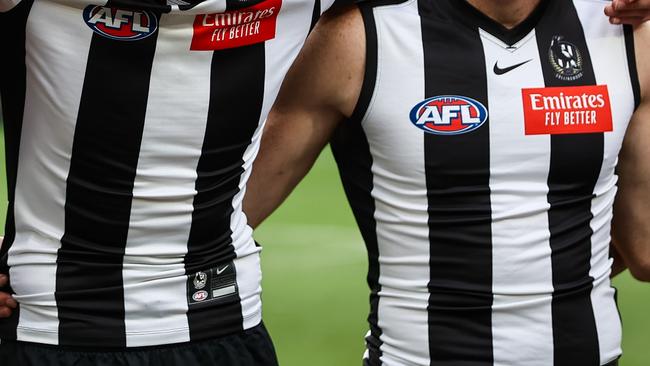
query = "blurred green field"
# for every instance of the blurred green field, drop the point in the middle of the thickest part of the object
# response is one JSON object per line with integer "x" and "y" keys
{"x": 315, "y": 296}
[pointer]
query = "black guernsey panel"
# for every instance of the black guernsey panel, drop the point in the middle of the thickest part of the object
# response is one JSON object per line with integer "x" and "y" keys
{"x": 236, "y": 95}
{"x": 315, "y": 15}
{"x": 458, "y": 193}
{"x": 631, "y": 64}
{"x": 572, "y": 177}
{"x": 12, "y": 94}
{"x": 106, "y": 146}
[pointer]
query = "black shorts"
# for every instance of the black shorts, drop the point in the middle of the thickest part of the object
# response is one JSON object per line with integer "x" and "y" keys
{"x": 366, "y": 362}
{"x": 253, "y": 347}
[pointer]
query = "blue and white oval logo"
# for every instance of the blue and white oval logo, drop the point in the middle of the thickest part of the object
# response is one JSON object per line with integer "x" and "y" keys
{"x": 449, "y": 115}
{"x": 120, "y": 24}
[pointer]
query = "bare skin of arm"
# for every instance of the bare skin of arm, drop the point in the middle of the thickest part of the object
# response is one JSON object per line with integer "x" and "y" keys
{"x": 631, "y": 228}
{"x": 319, "y": 92}
{"x": 7, "y": 303}
{"x": 628, "y": 11}
{"x": 618, "y": 266}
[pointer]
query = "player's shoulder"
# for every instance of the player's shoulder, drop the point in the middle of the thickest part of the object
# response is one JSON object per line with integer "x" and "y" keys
{"x": 332, "y": 61}
{"x": 340, "y": 13}
{"x": 642, "y": 34}
{"x": 383, "y": 4}
{"x": 347, "y": 13}
{"x": 340, "y": 26}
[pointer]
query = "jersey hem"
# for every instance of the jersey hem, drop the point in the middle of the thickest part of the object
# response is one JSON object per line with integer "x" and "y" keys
{"x": 134, "y": 339}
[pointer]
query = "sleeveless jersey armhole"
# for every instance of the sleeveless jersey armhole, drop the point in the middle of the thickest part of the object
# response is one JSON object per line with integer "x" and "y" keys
{"x": 370, "y": 73}
{"x": 632, "y": 66}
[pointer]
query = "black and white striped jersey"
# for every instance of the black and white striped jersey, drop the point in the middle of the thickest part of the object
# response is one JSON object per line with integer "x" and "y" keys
{"x": 480, "y": 167}
{"x": 131, "y": 127}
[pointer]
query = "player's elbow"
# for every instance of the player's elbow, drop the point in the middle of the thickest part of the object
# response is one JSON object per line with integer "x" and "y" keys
{"x": 640, "y": 268}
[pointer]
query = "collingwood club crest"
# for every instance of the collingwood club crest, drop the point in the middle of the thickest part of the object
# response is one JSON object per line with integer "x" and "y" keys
{"x": 566, "y": 59}
{"x": 200, "y": 280}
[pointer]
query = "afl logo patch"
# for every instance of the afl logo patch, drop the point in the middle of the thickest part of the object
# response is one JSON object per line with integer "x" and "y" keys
{"x": 200, "y": 296}
{"x": 566, "y": 59}
{"x": 449, "y": 115}
{"x": 120, "y": 24}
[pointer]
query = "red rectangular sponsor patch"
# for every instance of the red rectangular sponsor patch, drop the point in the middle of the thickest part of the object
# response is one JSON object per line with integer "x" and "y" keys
{"x": 567, "y": 110}
{"x": 236, "y": 28}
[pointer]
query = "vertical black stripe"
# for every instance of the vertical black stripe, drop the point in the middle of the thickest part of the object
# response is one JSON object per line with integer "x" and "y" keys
{"x": 574, "y": 168}
{"x": 108, "y": 134}
{"x": 236, "y": 95}
{"x": 628, "y": 31}
{"x": 12, "y": 92}
{"x": 353, "y": 157}
{"x": 458, "y": 192}
{"x": 315, "y": 15}
{"x": 352, "y": 153}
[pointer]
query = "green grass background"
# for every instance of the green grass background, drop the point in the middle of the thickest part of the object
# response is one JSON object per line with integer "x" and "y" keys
{"x": 315, "y": 295}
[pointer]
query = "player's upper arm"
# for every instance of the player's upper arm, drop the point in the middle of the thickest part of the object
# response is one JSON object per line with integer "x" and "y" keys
{"x": 631, "y": 232}
{"x": 327, "y": 75}
{"x": 320, "y": 90}
{"x": 322, "y": 87}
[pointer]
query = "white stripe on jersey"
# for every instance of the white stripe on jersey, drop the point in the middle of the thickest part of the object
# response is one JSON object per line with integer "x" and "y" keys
{"x": 42, "y": 171}
{"x": 161, "y": 210}
{"x": 402, "y": 230}
{"x": 606, "y": 46}
{"x": 524, "y": 336}
{"x": 242, "y": 240}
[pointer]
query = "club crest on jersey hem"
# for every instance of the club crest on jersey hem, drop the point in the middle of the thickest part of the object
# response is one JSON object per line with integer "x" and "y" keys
{"x": 448, "y": 115}
{"x": 120, "y": 24}
{"x": 214, "y": 285}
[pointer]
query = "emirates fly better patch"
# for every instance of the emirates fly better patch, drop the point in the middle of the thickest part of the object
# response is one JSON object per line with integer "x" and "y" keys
{"x": 236, "y": 28}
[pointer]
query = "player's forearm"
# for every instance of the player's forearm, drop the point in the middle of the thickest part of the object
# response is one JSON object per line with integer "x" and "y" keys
{"x": 266, "y": 190}
{"x": 269, "y": 186}
{"x": 631, "y": 234}
{"x": 618, "y": 266}
{"x": 290, "y": 145}
{"x": 630, "y": 230}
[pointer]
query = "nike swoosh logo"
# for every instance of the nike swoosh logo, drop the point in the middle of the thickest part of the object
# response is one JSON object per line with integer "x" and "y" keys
{"x": 220, "y": 270}
{"x": 500, "y": 71}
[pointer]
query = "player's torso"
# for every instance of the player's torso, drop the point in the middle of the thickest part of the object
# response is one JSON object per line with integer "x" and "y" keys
{"x": 485, "y": 190}
{"x": 141, "y": 122}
